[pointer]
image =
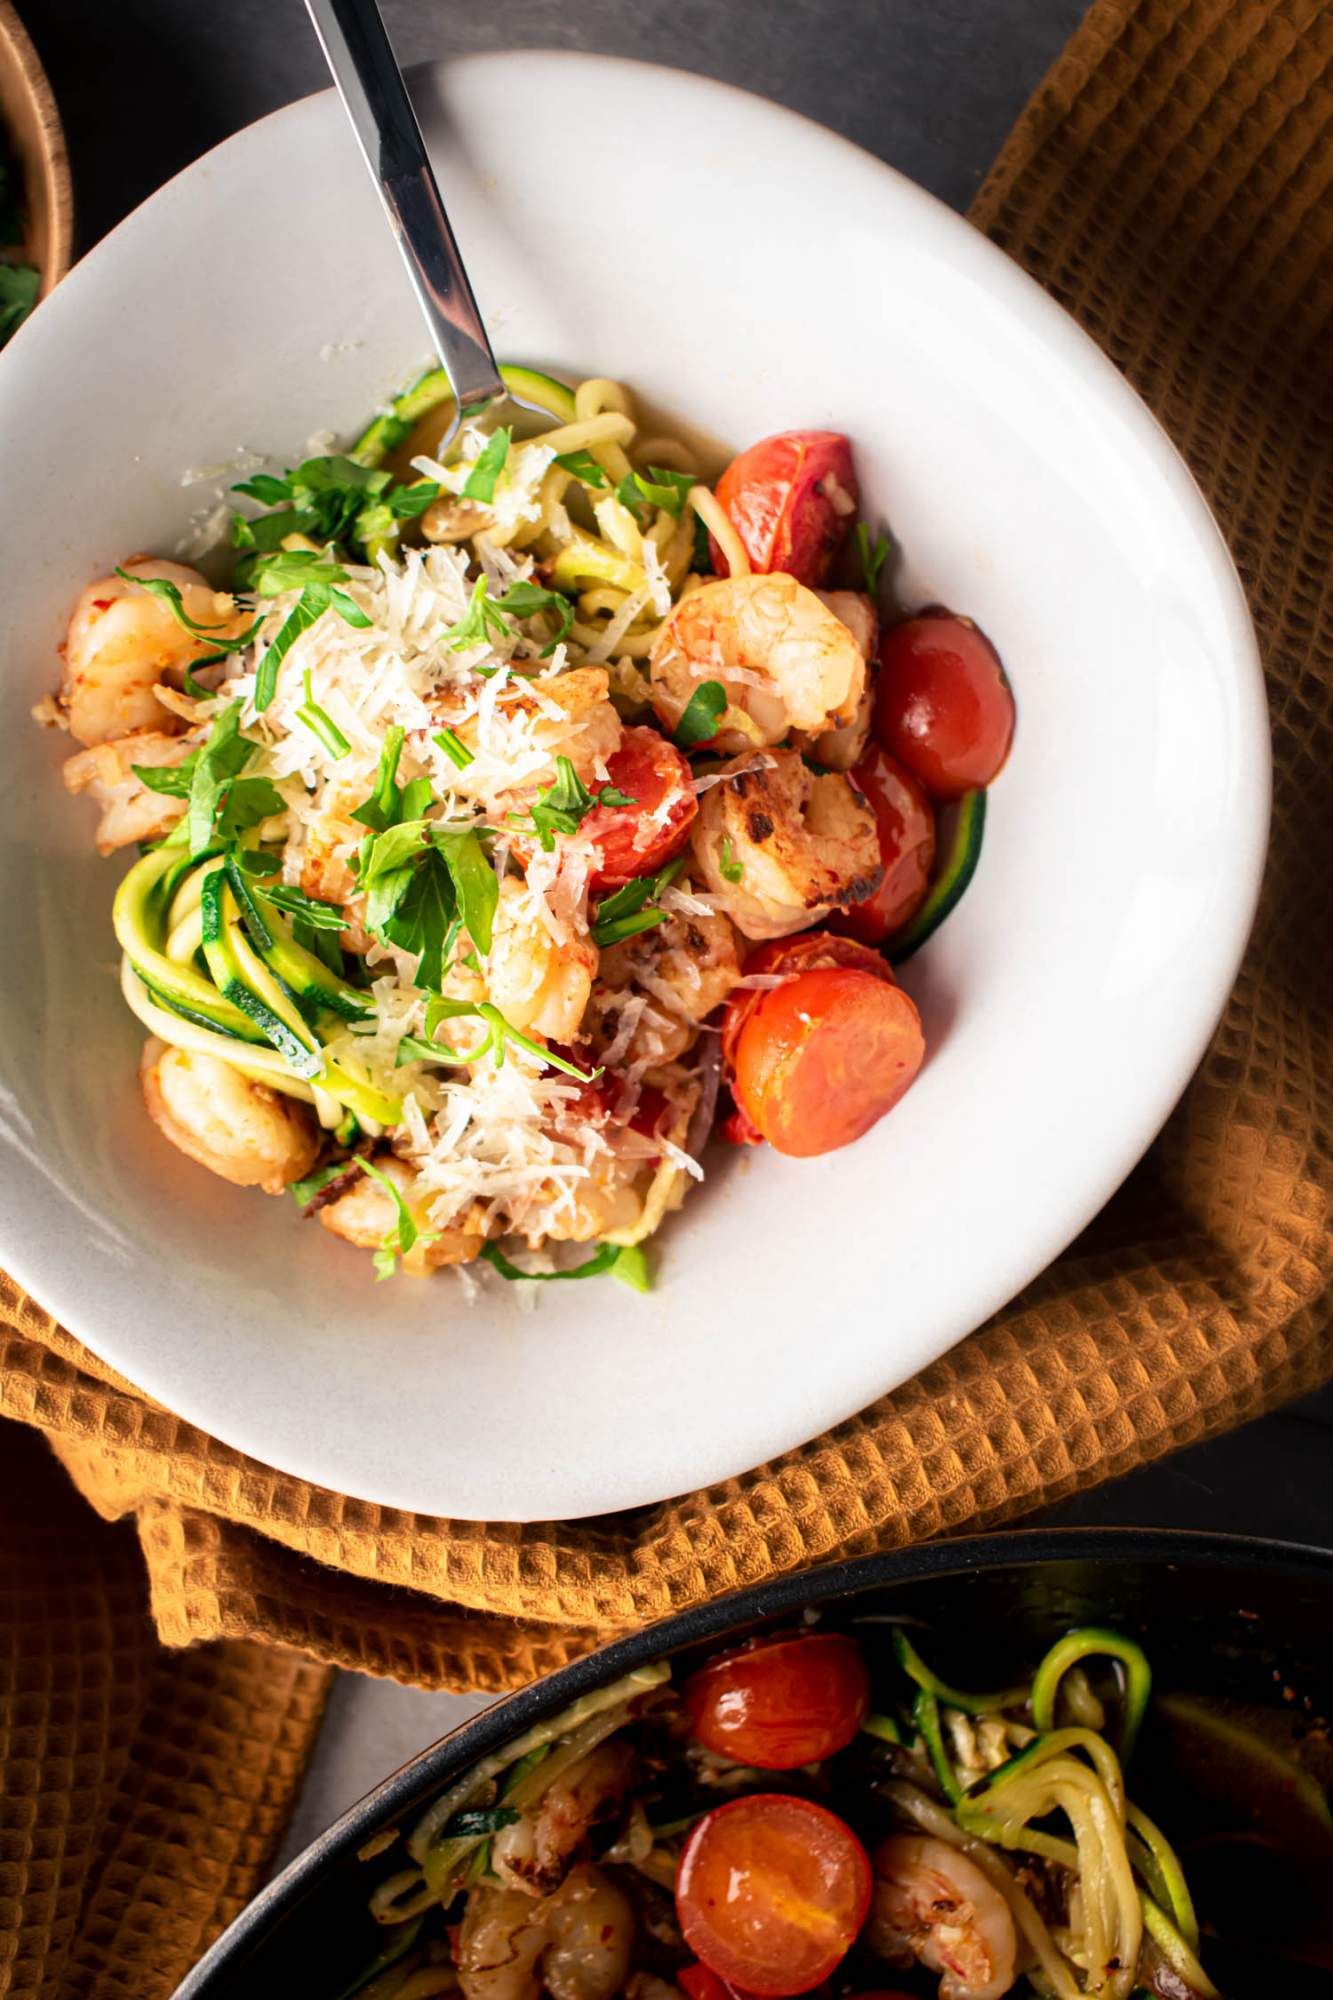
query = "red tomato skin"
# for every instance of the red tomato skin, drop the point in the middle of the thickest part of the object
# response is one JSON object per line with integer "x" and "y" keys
{"x": 905, "y": 820}
{"x": 804, "y": 952}
{"x": 824, "y": 1057}
{"x": 779, "y": 498}
{"x": 745, "y": 1839}
{"x": 780, "y": 1703}
{"x": 652, "y": 772}
{"x": 942, "y": 704}
{"x": 701, "y": 1984}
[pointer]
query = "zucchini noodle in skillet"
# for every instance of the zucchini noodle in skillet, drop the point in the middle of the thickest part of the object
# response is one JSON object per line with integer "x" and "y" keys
{"x": 807, "y": 1812}
{"x": 510, "y": 803}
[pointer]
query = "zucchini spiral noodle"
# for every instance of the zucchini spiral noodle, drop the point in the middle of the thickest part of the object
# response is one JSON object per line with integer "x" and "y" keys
{"x": 481, "y": 820}
{"x": 986, "y": 1841}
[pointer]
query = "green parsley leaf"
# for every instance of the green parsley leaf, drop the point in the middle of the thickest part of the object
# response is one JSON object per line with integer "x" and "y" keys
{"x": 702, "y": 716}
{"x": 633, "y": 908}
{"x": 583, "y": 466}
{"x": 421, "y": 880}
{"x": 331, "y": 499}
{"x": 482, "y": 480}
{"x": 195, "y": 687}
{"x": 500, "y": 1033}
{"x": 481, "y": 619}
{"x": 299, "y": 619}
{"x": 294, "y": 569}
{"x": 317, "y": 578}
{"x": 873, "y": 558}
{"x": 321, "y": 724}
{"x": 380, "y": 810}
{"x": 525, "y": 599}
{"x": 19, "y": 286}
{"x": 563, "y": 806}
{"x": 408, "y": 502}
{"x": 216, "y": 763}
{"x": 171, "y": 780}
{"x": 313, "y": 1184}
{"x": 454, "y": 748}
{"x": 265, "y": 487}
{"x": 604, "y": 1259}
{"x": 399, "y": 1239}
{"x": 167, "y": 593}
{"x": 475, "y": 885}
{"x": 244, "y": 803}
{"x": 701, "y": 561}
{"x": 731, "y": 871}
{"x": 632, "y": 1268}
{"x": 424, "y": 902}
{"x": 658, "y": 488}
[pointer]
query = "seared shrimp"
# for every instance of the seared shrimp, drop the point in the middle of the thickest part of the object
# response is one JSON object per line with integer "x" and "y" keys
{"x": 537, "y": 984}
{"x": 574, "y": 1945}
{"x": 841, "y": 748}
{"x": 801, "y": 844}
{"x": 122, "y": 642}
{"x": 366, "y": 1214}
{"x": 784, "y": 659}
{"x": 129, "y": 810}
{"x": 238, "y": 1128}
{"x": 683, "y": 969}
{"x": 534, "y": 1854}
{"x": 934, "y": 1905}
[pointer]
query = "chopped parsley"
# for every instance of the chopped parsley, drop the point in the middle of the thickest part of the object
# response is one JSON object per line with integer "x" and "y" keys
{"x": 563, "y": 806}
{"x": 331, "y": 499}
{"x": 490, "y": 617}
{"x": 454, "y": 748}
{"x": 423, "y": 883}
{"x": 656, "y": 488}
{"x": 730, "y": 869}
{"x": 313, "y": 1184}
{"x": 604, "y": 1259}
{"x": 702, "y": 716}
{"x": 321, "y": 723}
{"x": 499, "y": 1033}
{"x": 318, "y": 580}
{"x": 873, "y": 555}
{"x": 525, "y": 598}
{"x": 221, "y": 804}
{"x": 634, "y": 908}
{"x": 168, "y": 593}
{"x": 583, "y": 466}
{"x": 487, "y": 466}
{"x": 402, "y": 1233}
{"x": 482, "y": 620}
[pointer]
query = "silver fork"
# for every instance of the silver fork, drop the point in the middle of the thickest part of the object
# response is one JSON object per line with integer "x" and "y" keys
{"x": 360, "y": 56}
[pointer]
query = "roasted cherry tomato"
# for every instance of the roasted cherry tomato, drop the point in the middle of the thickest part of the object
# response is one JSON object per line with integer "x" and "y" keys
{"x": 943, "y": 706}
{"x": 805, "y": 952}
{"x": 906, "y": 822}
{"x": 817, "y": 1061}
{"x": 771, "y": 1892}
{"x": 701, "y": 1984}
{"x": 639, "y": 839}
{"x": 791, "y": 499}
{"x": 781, "y": 1703}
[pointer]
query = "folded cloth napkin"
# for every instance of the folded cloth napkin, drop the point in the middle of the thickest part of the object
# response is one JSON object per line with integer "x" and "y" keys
{"x": 1170, "y": 185}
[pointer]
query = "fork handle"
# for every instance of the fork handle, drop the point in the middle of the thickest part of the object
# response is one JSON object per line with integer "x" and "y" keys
{"x": 358, "y": 51}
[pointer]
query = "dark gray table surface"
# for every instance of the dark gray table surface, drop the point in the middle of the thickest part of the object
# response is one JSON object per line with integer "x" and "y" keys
{"x": 932, "y": 86}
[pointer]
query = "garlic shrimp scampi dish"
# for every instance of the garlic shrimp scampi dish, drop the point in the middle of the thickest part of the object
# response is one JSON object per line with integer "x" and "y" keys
{"x": 521, "y": 809}
{"x": 812, "y": 1811}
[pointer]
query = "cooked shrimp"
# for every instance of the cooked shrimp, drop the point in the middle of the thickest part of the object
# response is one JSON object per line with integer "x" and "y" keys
{"x": 366, "y": 1214}
{"x": 122, "y": 642}
{"x": 238, "y": 1128}
{"x": 538, "y": 984}
{"x": 840, "y": 748}
{"x": 801, "y": 844}
{"x": 785, "y": 660}
{"x": 534, "y": 1854}
{"x": 574, "y": 1945}
{"x": 683, "y": 969}
{"x": 934, "y": 1905}
{"x": 130, "y": 811}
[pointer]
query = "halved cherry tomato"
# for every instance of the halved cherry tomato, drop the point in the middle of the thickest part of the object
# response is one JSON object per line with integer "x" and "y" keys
{"x": 805, "y": 952}
{"x": 701, "y": 1984}
{"x": 791, "y": 499}
{"x": 822, "y": 1058}
{"x": 640, "y": 839}
{"x": 780, "y": 1703}
{"x": 905, "y": 819}
{"x": 771, "y": 1892}
{"x": 943, "y": 706}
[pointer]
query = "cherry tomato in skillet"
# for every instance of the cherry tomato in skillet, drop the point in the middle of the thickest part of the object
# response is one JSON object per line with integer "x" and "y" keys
{"x": 819, "y": 1060}
{"x": 771, "y": 1893}
{"x": 905, "y": 820}
{"x": 781, "y": 1703}
{"x": 942, "y": 705}
{"x": 791, "y": 499}
{"x": 640, "y": 838}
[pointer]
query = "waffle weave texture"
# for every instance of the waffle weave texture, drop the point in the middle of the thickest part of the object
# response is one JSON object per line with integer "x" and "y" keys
{"x": 1170, "y": 185}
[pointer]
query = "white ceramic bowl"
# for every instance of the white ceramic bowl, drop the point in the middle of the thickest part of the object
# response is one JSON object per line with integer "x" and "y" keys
{"x": 754, "y": 274}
